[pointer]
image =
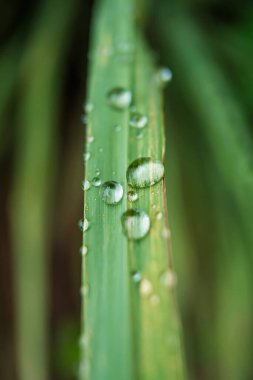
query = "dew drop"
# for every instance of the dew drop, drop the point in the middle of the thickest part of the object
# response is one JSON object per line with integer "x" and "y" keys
{"x": 97, "y": 172}
{"x": 96, "y": 181}
{"x": 111, "y": 192}
{"x": 119, "y": 98}
{"x": 86, "y": 185}
{"x": 136, "y": 277}
{"x": 117, "y": 128}
{"x": 84, "y": 290}
{"x": 83, "y": 250}
{"x": 86, "y": 156}
{"x": 83, "y": 225}
{"x": 90, "y": 139}
{"x": 88, "y": 107}
{"x": 100, "y": 150}
{"x": 135, "y": 224}
{"x": 84, "y": 119}
{"x": 168, "y": 278}
{"x": 166, "y": 233}
{"x": 137, "y": 120}
{"x": 159, "y": 215}
{"x": 139, "y": 135}
{"x": 144, "y": 172}
{"x": 154, "y": 299}
{"x": 132, "y": 196}
{"x": 163, "y": 76}
{"x": 145, "y": 287}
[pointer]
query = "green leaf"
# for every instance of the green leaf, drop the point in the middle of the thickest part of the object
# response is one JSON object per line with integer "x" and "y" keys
{"x": 130, "y": 329}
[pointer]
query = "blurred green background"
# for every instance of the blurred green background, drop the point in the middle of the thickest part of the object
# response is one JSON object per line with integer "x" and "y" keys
{"x": 208, "y": 44}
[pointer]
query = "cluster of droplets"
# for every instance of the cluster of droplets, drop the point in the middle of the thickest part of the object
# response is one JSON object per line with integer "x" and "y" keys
{"x": 141, "y": 173}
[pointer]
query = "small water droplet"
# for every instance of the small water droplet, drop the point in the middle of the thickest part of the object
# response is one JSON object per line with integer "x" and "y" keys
{"x": 168, "y": 278}
{"x": 84, "y": 290}
{"x": 83, "y": 250}
{"x": 159, "y": 215}
{"x": 100, "y": 150}
{"x": 119, "y": 98}
{"x": 136, "y": 276}
{"x": 154, "y": 299}
{"x": 88, "y": 107}
{"x": 83, "y": 225}
{"x": 125, "y": 47}
{"x": 97, "y": 172}
{"x": 86, "y": 185}
{"x": 111, "y": 192}
{"x": 144, "y": 172}
{"x": 90, "y": 139}
{"x": 163, "y": 76}
{"x": 166, "y": 233}
{"x": 135, "y": 224}
{"x": 137, "y": 120}
{"x": 117, "y": 128}
{"x": 139, "y": 135}
{"x": 86, "y": 156}
{"x": 96, "y": 181}
{"x": 132, "y": 196}
{"x": 145, "y": 287}
{"x": 84, "y": 119}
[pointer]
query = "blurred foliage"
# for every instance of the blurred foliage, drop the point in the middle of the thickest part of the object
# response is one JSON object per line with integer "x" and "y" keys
{"x": 209, "y": 189}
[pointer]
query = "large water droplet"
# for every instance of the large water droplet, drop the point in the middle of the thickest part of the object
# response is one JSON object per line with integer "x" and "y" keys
{"x": 163, "y": 76}
{"x": 132, "y": 196}
{"x": 111, "y": 192}
{"x": 96, "y": 181}
{"x": 144, "y": 172}
{"x": 135, "y": 224}
{"x": 137, "y": 120}
{"x": 119, "y": 98}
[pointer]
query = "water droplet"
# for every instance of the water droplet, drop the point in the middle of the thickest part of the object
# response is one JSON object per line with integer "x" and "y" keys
{"x": 159, "y": 215}
{"x": 163, "y": 76}
{"x": 96, "y": 181}
{"x": 111, "y": 192}
{"x": 136, "y": 276}
{"x": 84, "y": 290}
{"x": 125, "y": 47}
{"x": 145, "y": 287}
{"x": 137, "y": 120}
{"x": 84, "y": 119}
{"x": 166, "y": 233}
{"x": 88, "y": 107}
{"x": 86, "y": 156}
{"x": 139, "y": 135}
{"x": 83, "y": 224}
{"x": 90, "y": 139}
{"x": 97, "y": 172}
{"x": 119, "y": 98}
{"x": 100, "y": 150}
{"x": 132, "y": 196}
{"x": 144, "y": 172}
{"x": 154, "y": 299}
{"x": 135, "y": 224}
{"x": 86, "y": 185}
{"x": 83, "y": 250}
{"x": 117, "y": 128}
{"x": 168, "y": 278}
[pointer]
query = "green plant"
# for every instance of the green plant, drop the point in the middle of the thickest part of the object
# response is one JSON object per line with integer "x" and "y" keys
{"x": 130, "y": 323}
